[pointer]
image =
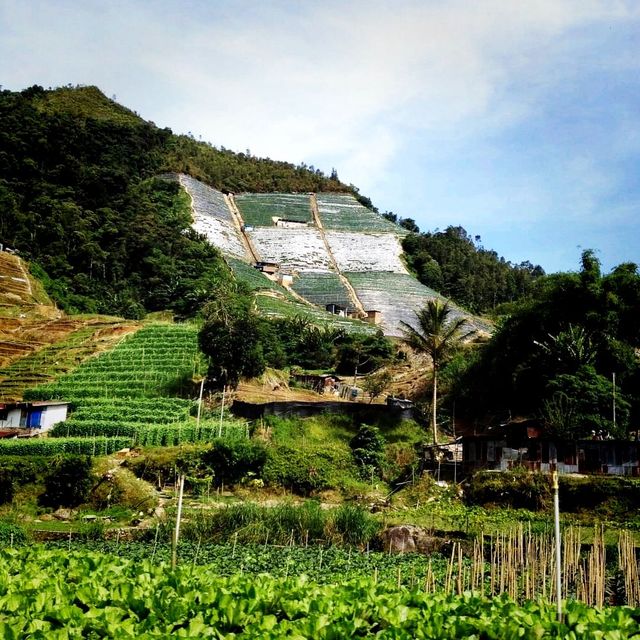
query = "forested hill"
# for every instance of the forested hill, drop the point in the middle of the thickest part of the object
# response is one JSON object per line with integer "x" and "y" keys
{"x": 78, "y": 198}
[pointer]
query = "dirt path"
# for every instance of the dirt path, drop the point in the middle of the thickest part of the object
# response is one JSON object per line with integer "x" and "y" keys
{"x": 352, "y": 292}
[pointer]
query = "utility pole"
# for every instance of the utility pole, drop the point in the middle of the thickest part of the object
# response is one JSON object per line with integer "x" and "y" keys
{"x": 613, "y": 375}
{"x": 176, "y": 533}
{"x": 556, "y": 518}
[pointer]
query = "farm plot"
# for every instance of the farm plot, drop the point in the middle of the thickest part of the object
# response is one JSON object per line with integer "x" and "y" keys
{"x": 278, "y": 307}
{"x": 212, "y": 218}
{"x": 322, "y": 288}
{"x": 397, "y": 295}
{"x": 342, "y": 212}
{"x": 253, "y": 278}
{"x": 259, "y": 209}
{"x": 120, "y": 394}
{"x": 366, "y": 251}
{"x": 61, "y": 594}
{"x": 301, "y": 249}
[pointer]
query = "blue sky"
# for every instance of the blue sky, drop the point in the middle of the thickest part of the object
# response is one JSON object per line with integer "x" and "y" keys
{"x": 519, "y": 120}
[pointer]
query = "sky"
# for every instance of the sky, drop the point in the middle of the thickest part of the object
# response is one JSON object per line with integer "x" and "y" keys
{"x": 516, "y": 119}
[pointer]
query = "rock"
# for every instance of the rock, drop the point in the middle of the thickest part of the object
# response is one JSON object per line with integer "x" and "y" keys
{"x": 407, "y": 538}
{"x": 64, "y": 514}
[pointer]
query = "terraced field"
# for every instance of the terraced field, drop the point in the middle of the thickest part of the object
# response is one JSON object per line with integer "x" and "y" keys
{"x": 259, "y": 209}
{"x": 301, "y": 249}
{"x": 74, "y": 340}
{"x": 253, "y": 278}
{"x": 342, "y": 212}
{"x": 322, "y": 288}
{"x": 212, "y": 217}
{"x": 275, "y": 306}
{"x": 396, "y": 295}
{"x": 366, "y": 251}
{"x": 132, "y": 392}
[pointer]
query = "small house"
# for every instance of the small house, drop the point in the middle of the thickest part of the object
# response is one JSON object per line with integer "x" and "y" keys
{"x": 336, "y": 309}
{"x": 22, "y": 418}
{"x": 285, "y": 223}
{"x": 269, "y": 268}
{"x": 374, "y": 316}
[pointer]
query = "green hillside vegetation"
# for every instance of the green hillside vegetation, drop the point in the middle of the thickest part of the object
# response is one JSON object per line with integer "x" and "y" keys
{"x": 555, "y": 356}
{"x": 80, "y": 201}
{"x": 456, "y": 265}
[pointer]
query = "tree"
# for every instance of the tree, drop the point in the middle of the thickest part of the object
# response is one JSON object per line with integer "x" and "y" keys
{"x": 376, "y": 383}
{"x": 439, "y": 336}
{"x": 230, "y": 337}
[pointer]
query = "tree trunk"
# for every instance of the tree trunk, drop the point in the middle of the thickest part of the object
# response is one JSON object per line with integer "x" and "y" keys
{"x": 433, "y": 404}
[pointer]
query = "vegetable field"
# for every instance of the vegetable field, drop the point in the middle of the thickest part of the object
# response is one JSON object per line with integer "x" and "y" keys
{"x": 342, "y": 212}
{"x": 366, "y": 251}
{"x": 322, "y": 288}
{"x": 258, "y": 209}
{"x": 301, "y": 249}
{"x": 123, "y": 397}
{"x": 58, "y": 594}
{"x": 278, "y": 307}
{"x": 212, "y": 217}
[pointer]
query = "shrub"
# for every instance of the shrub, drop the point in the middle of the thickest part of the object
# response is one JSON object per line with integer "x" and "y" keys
{"x": 295, "y": 470}
{"x": 609, "y": 496}
{"x": 352, "y": 525}
{"x": 119, "y": 486}
{"x": 367, "y": 449}
{"x": 69, "y": 483}
{"x": 231, "y": 462}
{"x": 11, "y": 534}
{"x": 518, "y": 488}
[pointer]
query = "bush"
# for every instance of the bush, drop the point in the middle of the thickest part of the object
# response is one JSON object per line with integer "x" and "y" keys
{"x": 295, "y": 470}
{"x": 519, "y": 489}
{"x": 119, "y": 486}
{"x": 69, "y": 484}
{"x": 609, "y": 496}
{"x": 367, "y": 449}
{"x": 11, "y": 534}
{"x": 352, "y": 525}
{"x": 231, "y": 462}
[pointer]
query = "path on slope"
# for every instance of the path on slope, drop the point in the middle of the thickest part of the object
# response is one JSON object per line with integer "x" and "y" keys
{"x": 239, "y": 221}
{"x": 352, "y": 292}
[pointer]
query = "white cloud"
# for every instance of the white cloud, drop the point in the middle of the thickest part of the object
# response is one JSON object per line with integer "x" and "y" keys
{"x": 362, "y": 85}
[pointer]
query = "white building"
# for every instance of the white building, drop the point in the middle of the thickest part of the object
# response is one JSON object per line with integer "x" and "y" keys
{"x": 38, "y": 416}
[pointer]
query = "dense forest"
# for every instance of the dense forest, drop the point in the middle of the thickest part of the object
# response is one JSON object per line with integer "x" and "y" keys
{"x": 569, "y": 356}
{"x": 78, "y": 198}
{"x": 456, "y": 265}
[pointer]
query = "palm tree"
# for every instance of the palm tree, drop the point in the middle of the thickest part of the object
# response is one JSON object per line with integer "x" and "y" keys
{"x": 438, "y": 336}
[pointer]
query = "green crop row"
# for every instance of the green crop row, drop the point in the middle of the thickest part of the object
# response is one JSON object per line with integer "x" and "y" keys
{"x": 342, "y": 212}
{"x": 258, "y": 208}
{"x": 98, "y": 446}
{"x": 322, "y": 288}
{"x": 55, "y": 594}
{"x": 152, "y": 435}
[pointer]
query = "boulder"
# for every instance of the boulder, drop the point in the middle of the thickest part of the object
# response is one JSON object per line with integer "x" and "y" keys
{"x": 407, "y": 538}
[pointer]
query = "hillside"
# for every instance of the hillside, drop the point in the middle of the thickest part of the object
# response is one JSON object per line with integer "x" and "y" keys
{"x": 38, "y": 342}
{"x": 326, "y": 247}
{"x": 80, "y": 201}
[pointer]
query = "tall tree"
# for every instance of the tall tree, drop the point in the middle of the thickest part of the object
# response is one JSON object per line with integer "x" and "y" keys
{"x": 438, "y": 335}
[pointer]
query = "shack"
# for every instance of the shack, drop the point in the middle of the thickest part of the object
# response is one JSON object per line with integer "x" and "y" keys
{"x": 269, "y": 268}
{"x": 525, "y": 444}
